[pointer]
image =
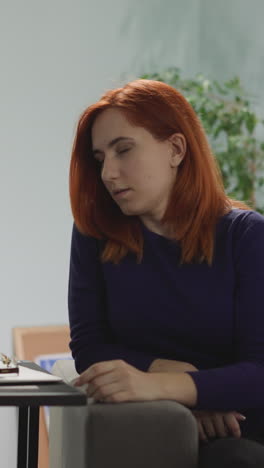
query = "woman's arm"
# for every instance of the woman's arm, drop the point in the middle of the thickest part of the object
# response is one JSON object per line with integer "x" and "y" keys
{"x": 91, "y": 337}
{"x": 169, "y": 365}
{"x": 240, "y": 384}
{"x": 210, "y": 424}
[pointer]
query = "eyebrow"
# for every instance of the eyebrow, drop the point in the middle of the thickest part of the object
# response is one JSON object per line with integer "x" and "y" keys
{"x": 111, "y": 143}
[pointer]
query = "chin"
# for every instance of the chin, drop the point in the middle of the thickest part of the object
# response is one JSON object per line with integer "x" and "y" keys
{"x": 129, "y": 211}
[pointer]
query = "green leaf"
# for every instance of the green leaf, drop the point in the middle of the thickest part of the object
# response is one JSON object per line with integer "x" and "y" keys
{"x": 251, "y": 121}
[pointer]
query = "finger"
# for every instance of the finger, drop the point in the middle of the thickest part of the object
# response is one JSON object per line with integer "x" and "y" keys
{"x": 219, "y": 425}
{"x": 101, "y": 385}
{"x": 202, "y": 435}
{"x": 117, "y": 397}
{"x": 105, "y": 386}
{"x": 97, "y": 369}
{"x": 232, "y": 424}
{"x": 87, "y": 375}
{"x": 239, "y": 416}
{"x": 90, "y": 375}
{"x": 208, "y": 426}
{"x": 90, "y": 390}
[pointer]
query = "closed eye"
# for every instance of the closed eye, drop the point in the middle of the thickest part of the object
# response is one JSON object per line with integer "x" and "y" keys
{"x": 124, "y": 150}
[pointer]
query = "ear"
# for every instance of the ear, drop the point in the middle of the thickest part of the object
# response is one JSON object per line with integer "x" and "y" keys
{"x": 178, "y": 148}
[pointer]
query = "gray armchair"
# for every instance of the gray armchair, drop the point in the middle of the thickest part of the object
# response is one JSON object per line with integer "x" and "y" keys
{"x": 153, "y": 434}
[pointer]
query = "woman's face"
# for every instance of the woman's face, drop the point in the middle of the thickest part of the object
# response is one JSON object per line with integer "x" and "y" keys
{"x": 132, "y": 159}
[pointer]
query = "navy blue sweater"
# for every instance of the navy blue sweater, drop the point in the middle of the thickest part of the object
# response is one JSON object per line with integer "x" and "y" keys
{"x": 211, "y": 317}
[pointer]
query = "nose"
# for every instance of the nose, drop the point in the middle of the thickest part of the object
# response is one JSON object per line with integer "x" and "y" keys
{"x": 110, "y": 169}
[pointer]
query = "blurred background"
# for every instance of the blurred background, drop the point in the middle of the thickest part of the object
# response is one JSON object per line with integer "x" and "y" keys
{"x": 58, "y": 57}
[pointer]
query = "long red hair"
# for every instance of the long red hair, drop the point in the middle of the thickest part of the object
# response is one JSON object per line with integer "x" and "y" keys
{"x": 197, "y": 199}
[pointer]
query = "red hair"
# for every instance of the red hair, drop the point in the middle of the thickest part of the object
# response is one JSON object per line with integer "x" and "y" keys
{"x": 197, "y": 199}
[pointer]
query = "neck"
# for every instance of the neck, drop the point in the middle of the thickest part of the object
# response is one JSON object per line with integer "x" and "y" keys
{"x": 158, "y": 228}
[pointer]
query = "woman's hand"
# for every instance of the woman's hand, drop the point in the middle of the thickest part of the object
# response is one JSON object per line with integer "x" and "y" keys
{"x": 117, "y": 381}
{"x": 169, "y": 365}
{"x": 218, "y": 424}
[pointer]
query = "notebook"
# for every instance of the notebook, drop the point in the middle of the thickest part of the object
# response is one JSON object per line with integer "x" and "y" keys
{"x": 27, "y": 375}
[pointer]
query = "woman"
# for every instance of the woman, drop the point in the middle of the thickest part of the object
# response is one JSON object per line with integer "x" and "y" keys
{"x": 166, "y": 275}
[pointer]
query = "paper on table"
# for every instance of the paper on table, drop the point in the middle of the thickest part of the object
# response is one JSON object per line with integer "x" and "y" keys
{"x": 18, "y": 388}
{"x": 28, "y": 375}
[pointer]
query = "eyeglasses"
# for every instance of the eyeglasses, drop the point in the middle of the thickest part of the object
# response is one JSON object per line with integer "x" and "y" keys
{"x": 8, "y": 365}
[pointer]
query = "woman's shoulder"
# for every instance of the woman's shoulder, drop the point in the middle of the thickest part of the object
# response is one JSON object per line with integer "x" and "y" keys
{"x": 245, "y": 230}
{"x": 239, "y": 220}
{"x": 79, "y": 236}
{"x": 84, "y": 241}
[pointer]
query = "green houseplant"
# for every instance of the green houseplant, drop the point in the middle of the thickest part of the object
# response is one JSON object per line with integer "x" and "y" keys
{"x": 230, "y": 124}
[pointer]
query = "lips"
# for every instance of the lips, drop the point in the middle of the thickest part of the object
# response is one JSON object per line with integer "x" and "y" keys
{"x": 121, "y": 194}
{"x": 116, "y": 192}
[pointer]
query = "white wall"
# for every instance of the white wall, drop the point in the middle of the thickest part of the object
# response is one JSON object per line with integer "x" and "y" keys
{"x": 57, "y": 57}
